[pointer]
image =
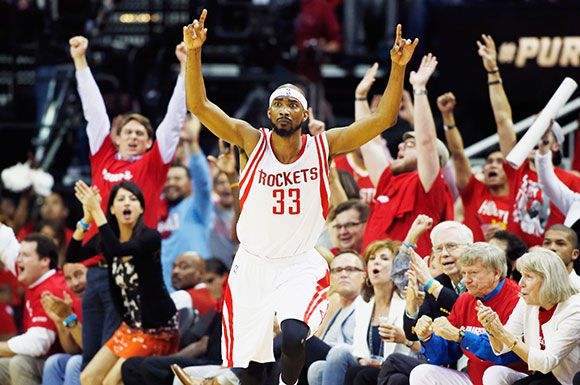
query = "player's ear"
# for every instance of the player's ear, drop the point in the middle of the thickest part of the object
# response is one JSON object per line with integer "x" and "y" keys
{"x": 269, "y": 113}
{"x": 306, "y": 116}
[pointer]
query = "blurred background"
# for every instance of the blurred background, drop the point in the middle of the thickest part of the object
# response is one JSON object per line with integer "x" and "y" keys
{"x": 253, "y": 46}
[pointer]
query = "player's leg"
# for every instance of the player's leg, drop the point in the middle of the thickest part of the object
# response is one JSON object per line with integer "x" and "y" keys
{"x": 253, "y": 374}
{"x": 294, "y": 334}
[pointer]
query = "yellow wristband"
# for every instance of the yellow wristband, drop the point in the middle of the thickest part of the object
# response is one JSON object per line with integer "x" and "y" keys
{"x": 433, "y": 287}
{"x": 234, "y": 185}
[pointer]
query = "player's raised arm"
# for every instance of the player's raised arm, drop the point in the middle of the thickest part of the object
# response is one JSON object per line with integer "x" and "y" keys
{"x": 358, "y": 133}
{"x": 234, "y": 131}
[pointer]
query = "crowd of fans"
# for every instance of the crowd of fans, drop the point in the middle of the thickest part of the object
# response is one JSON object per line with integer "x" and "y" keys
{"x": 438, "y": 275}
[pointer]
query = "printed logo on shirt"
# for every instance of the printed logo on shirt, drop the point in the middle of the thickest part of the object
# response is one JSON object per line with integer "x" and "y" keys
{"x": 475, "y": 330}
{"x": 288, "y": 178}
{"x": 114, "y": 178}
{"x": 531, "y": 208}
{"x": 39, "y": 319}
{"x": 367, "y": 194}
{"x": 382, "y": 199}
{"x": 489, "y": 208}
{"x": 169, "y": 225}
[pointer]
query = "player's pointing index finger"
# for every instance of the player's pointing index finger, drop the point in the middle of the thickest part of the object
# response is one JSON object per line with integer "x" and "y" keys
{"x": 202, "y": 18}
{"x": 399, "y": 34}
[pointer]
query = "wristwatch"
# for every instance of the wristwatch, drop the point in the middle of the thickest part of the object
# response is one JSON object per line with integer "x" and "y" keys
{"x": 409, "y": 343}
{"x": 71, "y": 321}
{"x": 461, "y": 335}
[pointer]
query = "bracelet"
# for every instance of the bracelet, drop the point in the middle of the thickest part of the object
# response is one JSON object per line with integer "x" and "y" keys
{"x": 433, "y": 287}
{"x": 447, "y": 128}
{"x": 419, "y": 91}
{"x": 360, "y": 99}
{"x": 83, "y": 224}
{"x": 493, "y": 71}
{"x": 426, "y": 339}
{"x": 69, "y": 319}
{"x": 408, "y": 245}
{"x": 513, "y": 345}
{"x": 429, "y": 283}
{"x": 498, "y": 81}
{"x": 234, "y": 185}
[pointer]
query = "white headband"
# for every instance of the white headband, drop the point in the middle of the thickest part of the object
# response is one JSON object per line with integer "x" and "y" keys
{"x": 289, "y": 93}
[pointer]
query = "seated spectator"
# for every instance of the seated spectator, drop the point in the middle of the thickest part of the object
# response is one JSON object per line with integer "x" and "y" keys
{"x": 132, "y": 252}
{"x": 544, "y": 327}
{"x": 7, "y": 325}
{"x": 65, "y": 368}
{"x": 513, "y": 247}
{"x": 563, "y": 241}
{"x": 216, "y": 273}
{"x": 444, "y": 340}
{"x": 187, "y": 221}
{"x": 34, "y": 263}
{"x": 349, "y": 222}
{"x": 189, "y": 271}
{"x": 378, "y": 323}
{"x": 57, "y": 231}
{"x": 449, "y": 240}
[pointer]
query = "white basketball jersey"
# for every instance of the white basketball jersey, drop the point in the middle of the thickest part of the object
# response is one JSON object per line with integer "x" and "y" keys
{"x": 283, "y": 206}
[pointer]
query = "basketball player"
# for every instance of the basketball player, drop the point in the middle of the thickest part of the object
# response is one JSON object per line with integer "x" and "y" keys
{"x": 284, "y": 202}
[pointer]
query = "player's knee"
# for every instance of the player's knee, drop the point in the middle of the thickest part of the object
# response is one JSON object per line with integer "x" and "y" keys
{"x": 294, "y": 335}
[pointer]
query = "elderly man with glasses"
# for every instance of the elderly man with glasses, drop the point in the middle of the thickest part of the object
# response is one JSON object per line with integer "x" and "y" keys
{"x": 449, "y": 239}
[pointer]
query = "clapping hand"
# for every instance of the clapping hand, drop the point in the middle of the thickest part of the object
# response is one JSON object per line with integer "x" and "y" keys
{"x": 56, "y": 308}
{"x": 89, "y": 197}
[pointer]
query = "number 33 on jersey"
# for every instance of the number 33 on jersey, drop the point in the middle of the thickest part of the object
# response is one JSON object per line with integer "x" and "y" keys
{"x": 284, "y": 206}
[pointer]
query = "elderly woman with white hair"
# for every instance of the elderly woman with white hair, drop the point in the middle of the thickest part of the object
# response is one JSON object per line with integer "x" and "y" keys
{"x": 544, "y": 328}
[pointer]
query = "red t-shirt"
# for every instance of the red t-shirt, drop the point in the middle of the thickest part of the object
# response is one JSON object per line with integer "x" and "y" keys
{"x": 398, "y": 201}
{"x": 7, "y": 319}
{"x": 544, "y": 316}
{"x": 34, "y": 314}
{"x": 202, "y": 300}
{"x": 360, "y": 175}
{"x": 464, "y": 314}
{"x": 482, "y": 208}
{"x": 531, "y": 211}
{"x": 149, "y": 172}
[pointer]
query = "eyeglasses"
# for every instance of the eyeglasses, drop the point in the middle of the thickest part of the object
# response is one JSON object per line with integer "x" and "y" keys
{"x": 348, "y": 269}
{"x": 450, "y": 247}
{"x": 346, "y": 226}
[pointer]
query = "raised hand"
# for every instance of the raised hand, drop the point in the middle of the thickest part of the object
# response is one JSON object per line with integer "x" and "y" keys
{"x": 413, "y": 296}
{"x": 446, "y": 103}
{"x": 181, "y": 53}
{"x": 403, "y": 49}
{"x": 363, "y": 87}
{"x": 194, "y": 34}
{"x": 421, "y": 224}
{"x": 315, "y": 126}
{"x": 420, "y": 268}
{"x": 226, "y": 162}
{"x": 423, "y": 74}
{"x": 487, "y": 52}
{"x": 90, "y": 198}
{"x": 78, "y": 47}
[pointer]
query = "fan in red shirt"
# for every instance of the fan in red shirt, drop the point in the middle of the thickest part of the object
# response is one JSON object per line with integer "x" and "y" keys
{"x": 487, "y": 202}
{"x": 531, "y": 211}
{"x": 34, "y": 263}
{"x": 353, "y": 163}
{"x": 413, "y": 184}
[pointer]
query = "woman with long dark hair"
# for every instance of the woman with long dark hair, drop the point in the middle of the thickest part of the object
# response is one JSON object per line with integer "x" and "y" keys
{"x": 132, "y": 252}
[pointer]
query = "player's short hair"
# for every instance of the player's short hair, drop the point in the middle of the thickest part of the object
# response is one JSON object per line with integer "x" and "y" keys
{"x": 491, "y": 256}
{"x": 139, "y": 118}
{"x": 556, "y": 286}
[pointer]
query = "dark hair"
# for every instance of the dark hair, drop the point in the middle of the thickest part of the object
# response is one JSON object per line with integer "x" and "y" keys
{"x": 58, "y": 228}
{"x": 348, "y": 184}
{"x": 570, "y": 234}
{"x": 490, "y": 151}
{"x": 362, "y": 208}
{"x": 139, "y": 118}
{"x": 135, "y": 190}
{"x": 178, "y": 165}
{"x": 216, "y": 266}
{"x": 355, "y": 253}
{"x": 45, "y": 247}
{"x": 516, "y": 247}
